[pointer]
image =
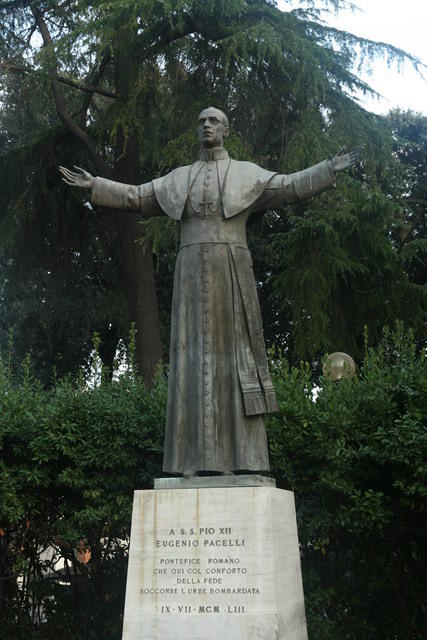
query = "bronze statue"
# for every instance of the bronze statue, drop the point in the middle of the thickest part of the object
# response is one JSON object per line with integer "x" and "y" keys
{"x": 219, "y": 383}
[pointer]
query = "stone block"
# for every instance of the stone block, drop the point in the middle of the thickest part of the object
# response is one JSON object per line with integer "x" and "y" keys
{"x": 208, "y": 482}
{"x": 214, "y": 564}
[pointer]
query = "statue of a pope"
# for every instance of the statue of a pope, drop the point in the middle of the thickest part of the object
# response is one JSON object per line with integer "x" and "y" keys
{"x": 219, "y": 383}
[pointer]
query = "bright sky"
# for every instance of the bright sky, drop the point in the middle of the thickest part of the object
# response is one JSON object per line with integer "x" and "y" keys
{"x": 402, "y": 24}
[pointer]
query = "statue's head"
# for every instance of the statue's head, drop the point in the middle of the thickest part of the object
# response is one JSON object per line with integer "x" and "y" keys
{"x": 212, "y": 127}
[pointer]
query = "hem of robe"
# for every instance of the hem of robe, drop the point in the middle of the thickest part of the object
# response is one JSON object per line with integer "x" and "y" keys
{"x": 217, "y": 470}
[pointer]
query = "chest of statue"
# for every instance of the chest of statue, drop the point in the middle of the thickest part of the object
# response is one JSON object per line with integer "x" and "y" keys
{"x": 205, "y": 190}
{"x": 203, "y": 217}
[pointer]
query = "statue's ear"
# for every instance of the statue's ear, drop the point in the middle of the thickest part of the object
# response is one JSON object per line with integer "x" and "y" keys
{"x": 226, "y": 131}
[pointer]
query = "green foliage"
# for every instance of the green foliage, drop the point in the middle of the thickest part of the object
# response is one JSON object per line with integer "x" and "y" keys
{"x": 356, "y": 458}
{"x": 70, "y": 460}
{"x": 340, "y": 269}
{"x": 410, "y": 232}
{"x": 357, "y": 461}
{"x": 353, "y": 256}
{"x": 285, "y": 79}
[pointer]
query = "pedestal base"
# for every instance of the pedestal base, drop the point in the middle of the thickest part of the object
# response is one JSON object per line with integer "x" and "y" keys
{"x": 214, "y": 564}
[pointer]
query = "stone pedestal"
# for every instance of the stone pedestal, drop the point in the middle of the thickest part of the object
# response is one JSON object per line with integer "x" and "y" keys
{"x": 214, "y": 563}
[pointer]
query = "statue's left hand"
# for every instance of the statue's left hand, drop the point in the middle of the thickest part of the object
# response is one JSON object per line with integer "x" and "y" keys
{"x": 342, "y": 161}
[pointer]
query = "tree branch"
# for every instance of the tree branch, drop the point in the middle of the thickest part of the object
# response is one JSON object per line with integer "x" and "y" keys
{"x": 61, "y": 106}
{"x": 95, "y": 78}
{"x": 20, "y": 68}
{"x": 154, "y": 40}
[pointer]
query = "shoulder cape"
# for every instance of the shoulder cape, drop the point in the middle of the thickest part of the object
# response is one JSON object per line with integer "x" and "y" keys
{"x": 242, "y": 184}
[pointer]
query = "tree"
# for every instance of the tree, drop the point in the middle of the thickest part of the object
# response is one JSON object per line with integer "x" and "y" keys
{"x": 356, "y": 458}
{"x": 87, "y": 71}
{"x": 410, "y": 234}
{"x": 66, "y": 488}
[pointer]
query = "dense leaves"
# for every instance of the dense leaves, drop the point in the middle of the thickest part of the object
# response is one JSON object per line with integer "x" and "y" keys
{"x": 356, "y": 459}
{"x": 117, "y": 87}
{"x": 70, "y": 460}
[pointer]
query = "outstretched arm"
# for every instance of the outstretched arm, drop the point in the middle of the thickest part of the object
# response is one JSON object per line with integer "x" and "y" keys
{"x": 114, "y": 195}
{"x": 314, "y": 180}
{"x": 287, "y": 189}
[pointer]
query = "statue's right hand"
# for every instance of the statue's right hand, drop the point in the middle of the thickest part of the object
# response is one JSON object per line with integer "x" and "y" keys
{"x": 82, "y": 178}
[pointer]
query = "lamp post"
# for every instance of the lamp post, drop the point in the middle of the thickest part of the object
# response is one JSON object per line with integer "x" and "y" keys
{"x": 339, "y": 365}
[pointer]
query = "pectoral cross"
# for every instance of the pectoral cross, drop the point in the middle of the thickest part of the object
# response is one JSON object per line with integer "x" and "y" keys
{"x": 205, "y": 203}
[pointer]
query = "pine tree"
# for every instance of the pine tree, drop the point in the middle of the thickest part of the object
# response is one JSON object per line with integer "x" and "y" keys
{"x": 116, "y": 87}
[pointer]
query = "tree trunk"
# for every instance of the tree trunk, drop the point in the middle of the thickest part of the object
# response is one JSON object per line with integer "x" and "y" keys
{"x": 136, "y": 258}
{"x": 137, "y": 265}
{"x": 137, "y": 262}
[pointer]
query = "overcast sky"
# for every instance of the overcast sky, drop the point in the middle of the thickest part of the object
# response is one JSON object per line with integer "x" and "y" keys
{"x": 402, "y": 24}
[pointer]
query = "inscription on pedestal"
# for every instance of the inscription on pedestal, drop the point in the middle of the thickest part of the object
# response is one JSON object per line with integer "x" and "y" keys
{"x": 214, "y": 563}
{"x": 196, "y": 567}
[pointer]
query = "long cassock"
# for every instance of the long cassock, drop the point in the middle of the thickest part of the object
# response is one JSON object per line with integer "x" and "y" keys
{"x": 219, "y": 383}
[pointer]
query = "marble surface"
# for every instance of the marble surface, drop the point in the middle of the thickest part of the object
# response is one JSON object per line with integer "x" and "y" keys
{"x": 214, "y": 563}
{"x": 207, "y": 482}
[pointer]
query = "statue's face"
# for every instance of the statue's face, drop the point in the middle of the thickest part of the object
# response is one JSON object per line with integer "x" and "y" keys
{"x": 212, "y": 127}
